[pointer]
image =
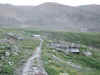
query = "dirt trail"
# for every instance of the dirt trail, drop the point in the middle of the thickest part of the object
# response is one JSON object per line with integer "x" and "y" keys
{"x": 34, "y": 65}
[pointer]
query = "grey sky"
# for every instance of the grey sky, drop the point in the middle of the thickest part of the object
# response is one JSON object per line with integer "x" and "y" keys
{"x": 37, "y": 2}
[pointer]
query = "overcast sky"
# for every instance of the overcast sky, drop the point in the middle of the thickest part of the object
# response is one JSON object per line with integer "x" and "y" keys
{"x": 37, "y": 2}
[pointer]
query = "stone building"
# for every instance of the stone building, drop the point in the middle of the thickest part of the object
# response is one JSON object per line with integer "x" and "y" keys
{"x": 11, "y": 37}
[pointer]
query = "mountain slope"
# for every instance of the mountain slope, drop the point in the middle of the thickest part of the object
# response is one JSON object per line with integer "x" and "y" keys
{"x": 52, "y": 16}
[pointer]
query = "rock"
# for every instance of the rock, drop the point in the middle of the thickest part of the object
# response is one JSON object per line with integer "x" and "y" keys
{"x": 14, "y": 48}
{"x": 15, "y": 53}
{"x": 74, "y": 65}
{"x": 35, "y": 68}
{"x": 10, "y": 63}
{"x": 49, "y": 61}
{"x": 7, "y": 54}
{"x": 64, "y": 74}
{"x": 87, "y": 53}
{"x": 53, "y": 51}
{"x": 20, "y": 38}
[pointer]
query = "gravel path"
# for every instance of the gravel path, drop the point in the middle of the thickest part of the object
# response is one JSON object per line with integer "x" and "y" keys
{"x": 34, "y": 66}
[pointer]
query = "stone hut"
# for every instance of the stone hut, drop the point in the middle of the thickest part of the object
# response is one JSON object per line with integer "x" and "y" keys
{"x": 74, "y": 48}
{"x": 11, "y": 37}
{"x": 3, "y": 41}
{"x": 57, "y": 45}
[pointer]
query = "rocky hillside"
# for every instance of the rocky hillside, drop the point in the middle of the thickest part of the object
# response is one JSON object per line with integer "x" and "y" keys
{"x": 72, "y": 55}
{"x": 15, "y": 48}
{"x": 68, "y": 53}
{"x": 51, "y": 16}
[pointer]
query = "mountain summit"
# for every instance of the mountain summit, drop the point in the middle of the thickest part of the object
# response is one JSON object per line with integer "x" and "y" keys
{"x": 52, "y": 16}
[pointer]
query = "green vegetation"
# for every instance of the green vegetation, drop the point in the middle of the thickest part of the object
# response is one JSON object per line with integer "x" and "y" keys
{"x": 10, "y": 64}
{"x": 90, "y": 65}
{"x": 89, "y": 38}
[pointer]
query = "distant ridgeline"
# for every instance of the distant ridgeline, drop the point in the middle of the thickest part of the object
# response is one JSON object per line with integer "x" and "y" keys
{"x": 51, "y": 16}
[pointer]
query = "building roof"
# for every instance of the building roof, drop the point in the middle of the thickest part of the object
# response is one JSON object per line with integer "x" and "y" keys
{"x": 74, "y": 50}
{"x": 35, "y": 35}
{"x": 12, "y": 35}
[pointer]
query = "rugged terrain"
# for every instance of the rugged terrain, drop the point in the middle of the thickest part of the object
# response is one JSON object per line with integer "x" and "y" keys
{"x": 51, "y": 16}
{"x": 58, "y": 61}
{"x": 22, "y": 54}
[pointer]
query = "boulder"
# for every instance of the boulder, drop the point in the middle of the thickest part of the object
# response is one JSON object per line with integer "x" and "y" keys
{"x": 10, "y": 63}
{"x": 87, "y": 53}
{"x": 7, "y": 54}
